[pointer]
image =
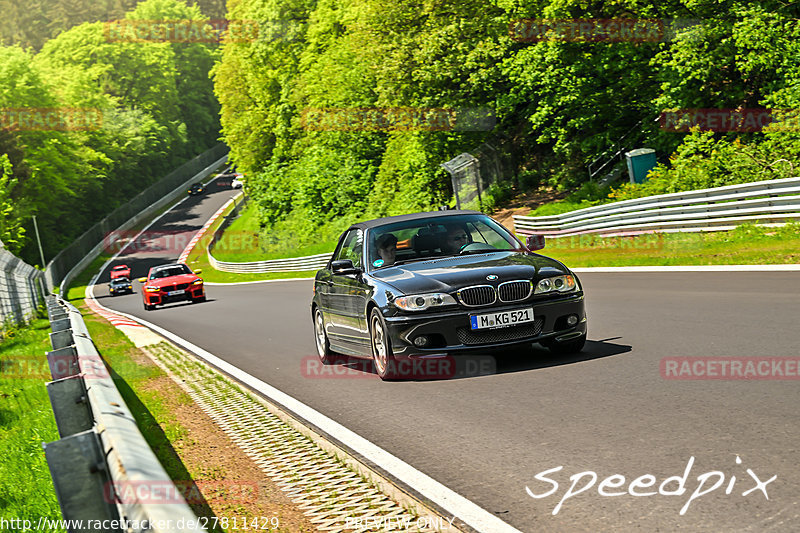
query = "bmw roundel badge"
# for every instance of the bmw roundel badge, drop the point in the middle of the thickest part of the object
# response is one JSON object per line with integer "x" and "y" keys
{"x": 491, "y": 277}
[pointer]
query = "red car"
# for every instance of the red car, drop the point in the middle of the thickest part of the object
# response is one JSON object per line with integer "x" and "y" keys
{"x": 172, "y": 283}
{"x": 120, "y": 271}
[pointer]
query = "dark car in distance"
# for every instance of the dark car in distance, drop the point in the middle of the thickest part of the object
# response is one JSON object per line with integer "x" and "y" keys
{"x": 169, "y": 283}
{"x": 197, "y": 189}
{"x": 438, "y": 284}
{"x": 120, "y": 286}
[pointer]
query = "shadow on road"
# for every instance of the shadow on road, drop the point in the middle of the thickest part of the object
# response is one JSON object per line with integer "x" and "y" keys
{"x": 478, "y": 364}
{"x": 538, "y": 357}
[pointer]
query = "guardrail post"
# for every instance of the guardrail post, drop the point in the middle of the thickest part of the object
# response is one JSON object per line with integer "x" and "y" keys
{"x": 63, "y": 362}
{"x": 61, "y": 339}
{"x": 60, "y": 324}
{"x": 68, "y": 398}
{"x": 77, "y": 466}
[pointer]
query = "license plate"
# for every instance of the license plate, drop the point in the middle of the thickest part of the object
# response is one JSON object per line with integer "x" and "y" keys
{"x": 501, "y": 319}
{"x": 175, "y": 293}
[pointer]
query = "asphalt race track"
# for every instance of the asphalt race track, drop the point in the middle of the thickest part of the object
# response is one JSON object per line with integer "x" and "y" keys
{"x": 609, "y": 411}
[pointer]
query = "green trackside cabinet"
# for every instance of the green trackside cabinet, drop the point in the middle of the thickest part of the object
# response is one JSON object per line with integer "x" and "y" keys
{"x": 640, "y": 162}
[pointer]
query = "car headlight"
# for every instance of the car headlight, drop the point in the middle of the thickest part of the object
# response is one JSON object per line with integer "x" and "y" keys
{"x": 421, "y": 302}
{"x": 556, "y": 284}
{"x": 151, "y": 289}
{"x": 197, "y": 282}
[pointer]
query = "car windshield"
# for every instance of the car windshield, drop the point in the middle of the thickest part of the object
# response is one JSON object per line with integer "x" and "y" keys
{"x": 176, "y": 270}
{"x": 120, "y": 281}
{"x": 437, "y": 237}
{"x": 120, "y": 267}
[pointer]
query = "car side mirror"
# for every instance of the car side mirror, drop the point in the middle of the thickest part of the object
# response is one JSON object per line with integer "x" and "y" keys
{"x": 142, "y": 280}
{"x": 344, "y": 267}
{"x": 198, "y": 271}
{"x": 534, "y": 242}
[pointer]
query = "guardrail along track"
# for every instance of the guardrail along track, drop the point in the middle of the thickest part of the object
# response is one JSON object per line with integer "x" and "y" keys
{"x": 770, "y": 202}
{"x": 101, "y": 450}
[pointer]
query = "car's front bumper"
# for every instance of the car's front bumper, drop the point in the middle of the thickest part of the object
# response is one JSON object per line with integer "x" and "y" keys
{"x": 161, "y": 297}
{"x": 121, "y": 290}
{"x": 449, "y": 332}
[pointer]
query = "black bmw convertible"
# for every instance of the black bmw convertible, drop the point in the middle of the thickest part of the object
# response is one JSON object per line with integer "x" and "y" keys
{"x": 428, "y": 285}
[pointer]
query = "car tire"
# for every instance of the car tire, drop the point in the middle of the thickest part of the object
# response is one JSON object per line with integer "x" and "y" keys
{"x": 382, "y": 358}
{"x": 326, "y": 356}
{"x": 149, "y": 307}
{"x": 199, "y": 300}
{"x": 568, "y": 347}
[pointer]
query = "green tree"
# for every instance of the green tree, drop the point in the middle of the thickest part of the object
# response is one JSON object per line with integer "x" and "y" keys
{"x": 11, "y": 231}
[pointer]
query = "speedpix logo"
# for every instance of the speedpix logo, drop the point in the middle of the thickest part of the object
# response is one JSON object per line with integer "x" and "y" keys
{"x": 645, "y": 485}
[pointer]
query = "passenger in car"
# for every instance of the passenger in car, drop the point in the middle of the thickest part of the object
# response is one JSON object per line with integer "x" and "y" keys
{"x": 387, "y": 248}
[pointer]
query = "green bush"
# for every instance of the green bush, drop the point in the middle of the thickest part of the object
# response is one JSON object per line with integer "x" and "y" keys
{"x": 703, "y": 161}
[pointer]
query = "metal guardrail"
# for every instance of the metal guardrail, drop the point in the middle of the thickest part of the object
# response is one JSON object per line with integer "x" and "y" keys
{"x": 85, "y": 248}
{"x": 21, "y": 289}
{"x": 102, "y": 468}
{"x": 294, "y": 264}
{"x": 769, "y": 202}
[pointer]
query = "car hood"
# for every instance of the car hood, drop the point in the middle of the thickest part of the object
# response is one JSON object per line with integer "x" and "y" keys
{"x": 172, "y": 280}
{"x": 447, "y": 274}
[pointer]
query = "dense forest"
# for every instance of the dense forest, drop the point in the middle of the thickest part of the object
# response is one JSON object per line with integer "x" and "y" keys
{"x": 338, "y": 110}
{"x": 559, "y": 99}
{"x": 32, "y": 22}
{"x": 86, "y": 122}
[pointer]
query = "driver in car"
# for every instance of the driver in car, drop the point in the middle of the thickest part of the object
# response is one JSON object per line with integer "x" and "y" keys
{"x": 454, "y": 240}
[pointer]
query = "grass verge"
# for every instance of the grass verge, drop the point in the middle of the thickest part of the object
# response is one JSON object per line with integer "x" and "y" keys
{"x": 746, "y": 245}
{"x": 240, "y": 242}
{"x": 26, "y": 421}
{"x": 198, "y": 259}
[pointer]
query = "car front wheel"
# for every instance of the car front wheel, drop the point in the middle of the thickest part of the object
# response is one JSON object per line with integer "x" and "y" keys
{"x": 382, "y": 357}
{"x": 323, "y": 346}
